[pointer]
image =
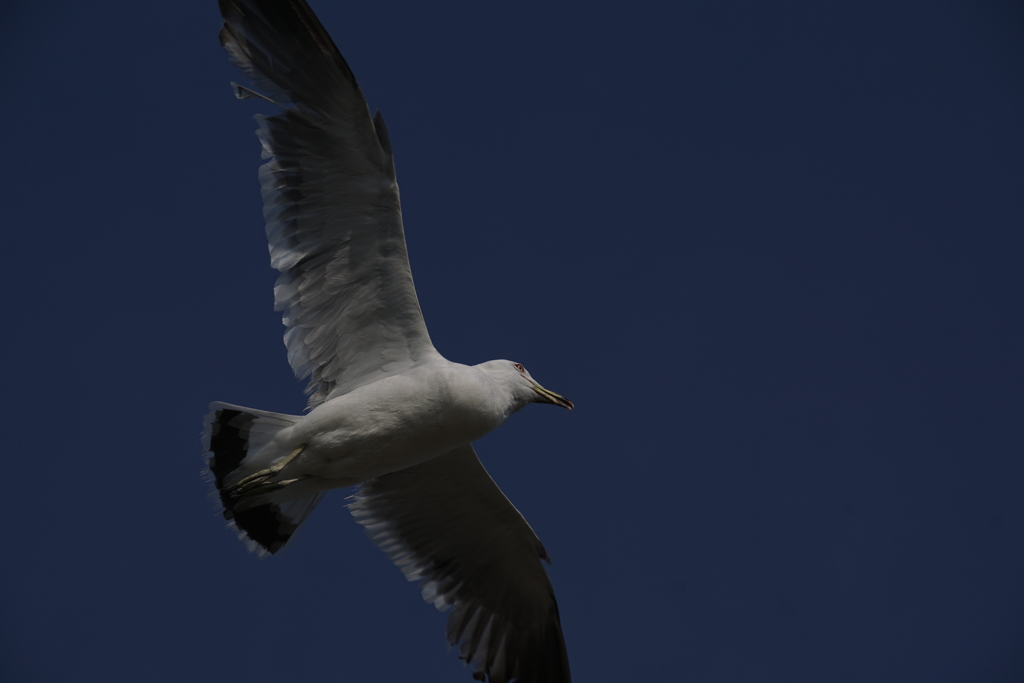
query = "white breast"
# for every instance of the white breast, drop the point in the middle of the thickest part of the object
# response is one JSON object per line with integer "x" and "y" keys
{"x": 395, "y": 423}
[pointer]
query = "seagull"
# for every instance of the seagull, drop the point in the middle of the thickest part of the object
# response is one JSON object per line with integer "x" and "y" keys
{"x": 387, "y": 412}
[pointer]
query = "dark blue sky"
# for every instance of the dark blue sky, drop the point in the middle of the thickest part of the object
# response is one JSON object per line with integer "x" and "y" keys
{"x": 773, "y": 251}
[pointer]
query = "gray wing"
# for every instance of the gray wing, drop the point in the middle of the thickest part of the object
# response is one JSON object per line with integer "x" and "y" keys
{"x": 331, "y": 203}
{"x": 446, "y": 523}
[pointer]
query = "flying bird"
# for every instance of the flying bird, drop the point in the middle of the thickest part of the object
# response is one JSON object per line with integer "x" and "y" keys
{"x": 387, "y": 412}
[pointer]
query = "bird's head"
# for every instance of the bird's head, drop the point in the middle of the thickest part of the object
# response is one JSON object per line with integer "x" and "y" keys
{"x": 522, "y": 386}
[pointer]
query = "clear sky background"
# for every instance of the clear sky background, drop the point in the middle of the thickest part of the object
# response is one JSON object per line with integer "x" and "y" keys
{"x": 773, "y": 251}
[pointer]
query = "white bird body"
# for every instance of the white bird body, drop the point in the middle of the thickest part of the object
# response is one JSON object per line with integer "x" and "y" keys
{"x": 399, "y": 421}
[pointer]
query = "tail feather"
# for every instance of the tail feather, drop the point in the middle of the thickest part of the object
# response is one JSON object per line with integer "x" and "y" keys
{"x": 239, "y": 441}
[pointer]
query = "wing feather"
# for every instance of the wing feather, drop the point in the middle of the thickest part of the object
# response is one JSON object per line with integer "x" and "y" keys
{"x": 446, "y": 524}
{"x": 331, "y": 202}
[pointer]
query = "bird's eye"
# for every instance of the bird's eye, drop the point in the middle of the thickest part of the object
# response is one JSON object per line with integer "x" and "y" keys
{"x": 519, "y": 367}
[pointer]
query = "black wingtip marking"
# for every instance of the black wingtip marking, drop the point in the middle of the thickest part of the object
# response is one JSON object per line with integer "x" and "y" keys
{"x": 270, "y": 40}
{"x": 382, "y": 131}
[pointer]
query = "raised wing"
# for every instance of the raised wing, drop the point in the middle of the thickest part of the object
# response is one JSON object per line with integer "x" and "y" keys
{"x": 446, "y": 523}
{"x": 331, "y": 203}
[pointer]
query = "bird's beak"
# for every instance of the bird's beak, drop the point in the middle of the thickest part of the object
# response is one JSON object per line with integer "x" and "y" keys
{"x": 551, "y": 397}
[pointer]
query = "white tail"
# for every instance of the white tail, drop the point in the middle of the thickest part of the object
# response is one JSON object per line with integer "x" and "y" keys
{"x": 238, "y": 442}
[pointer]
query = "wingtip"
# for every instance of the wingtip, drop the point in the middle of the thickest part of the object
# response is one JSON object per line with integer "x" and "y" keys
{"x": 382, "y": 132}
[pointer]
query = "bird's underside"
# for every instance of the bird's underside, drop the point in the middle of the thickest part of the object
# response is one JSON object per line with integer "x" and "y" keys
{"x": 355, "y": 329}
